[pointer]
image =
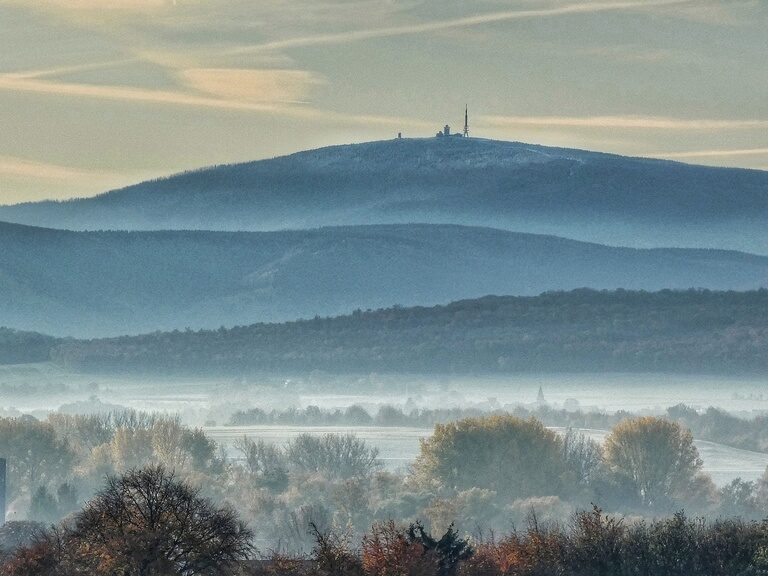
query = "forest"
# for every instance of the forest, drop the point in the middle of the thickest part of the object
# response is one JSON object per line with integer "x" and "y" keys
{"x": 484, "y": 473}
{"x": 489, "y": 495}
{"x": 691, "y": 331}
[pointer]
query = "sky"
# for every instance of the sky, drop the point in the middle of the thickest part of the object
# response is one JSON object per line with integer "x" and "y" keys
{"x": 98, "y": 94}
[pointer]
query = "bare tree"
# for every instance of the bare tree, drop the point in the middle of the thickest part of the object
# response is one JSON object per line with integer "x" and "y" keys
{"x": 147, "y": 523}
{"x": 332, "y": 455}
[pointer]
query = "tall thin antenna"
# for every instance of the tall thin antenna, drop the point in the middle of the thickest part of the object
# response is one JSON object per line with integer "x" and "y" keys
{"x": 466, "y": 121}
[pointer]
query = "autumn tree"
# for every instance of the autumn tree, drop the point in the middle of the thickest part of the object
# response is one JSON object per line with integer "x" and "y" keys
{"x": 515, "y": 458}
{"x": 388, "y": 551}
{"x": 35, "y": 454}
{"x": 655, "y": 457}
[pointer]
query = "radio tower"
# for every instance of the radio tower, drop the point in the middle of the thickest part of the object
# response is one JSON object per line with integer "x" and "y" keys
{"x": 466, "y": 122}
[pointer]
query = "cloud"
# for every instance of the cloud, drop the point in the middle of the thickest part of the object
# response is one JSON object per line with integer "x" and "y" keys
{"x": 468, "y": 21}
{"x": 27, "y": 180}
{"x": 713, "y": 153}
{"x": 22, "y": 168}
{"x": 101, "y": 5}
{"x": 243, "y": 85}
{"x": 20, "y": 83}
{"x": 625, "y": 122}
{"x": 61, "y": 70}
{"x": 717, "y": 13}
{"x": 262, "y": 91}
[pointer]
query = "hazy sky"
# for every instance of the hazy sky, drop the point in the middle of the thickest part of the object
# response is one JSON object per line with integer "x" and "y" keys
{"x": 95, "y": 94}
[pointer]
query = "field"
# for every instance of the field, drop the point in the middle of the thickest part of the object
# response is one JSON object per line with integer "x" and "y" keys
{"x": 399, "y": 446}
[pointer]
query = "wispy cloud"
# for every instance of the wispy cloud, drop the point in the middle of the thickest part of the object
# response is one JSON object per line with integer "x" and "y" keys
{"x": 243, "y": 85}
{"x": 21, "y": 83}
{"x": 712, "y": 153}
{"x": 61, "y": 70}
{"x": 464, "y": 22}
{"x": 25, "y": 180}
{"x": 101, "y": 5}
{"x": 23, "y": 168}
{"x": 268, "y": 91}
{"x": 623, "y": 122}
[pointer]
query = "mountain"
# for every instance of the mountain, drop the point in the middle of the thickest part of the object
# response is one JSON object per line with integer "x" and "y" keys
{"x": 583, "y": 195}
{"x": 99, "y": 283}
{"x": 622, "y": 331}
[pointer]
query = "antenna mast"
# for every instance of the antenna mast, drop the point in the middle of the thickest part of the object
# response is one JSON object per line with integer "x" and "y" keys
{"x": 466, "y": 121}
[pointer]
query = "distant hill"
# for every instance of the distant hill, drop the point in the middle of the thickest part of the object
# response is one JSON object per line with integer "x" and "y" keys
{"x": 18, "y": 347}
{"x": 622, "y": 331}
{"x": 106, "y": 283}
{"x": 583, "y": 195}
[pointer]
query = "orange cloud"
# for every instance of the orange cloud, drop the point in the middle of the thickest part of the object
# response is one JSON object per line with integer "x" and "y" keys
{"x": 260, "y": 86}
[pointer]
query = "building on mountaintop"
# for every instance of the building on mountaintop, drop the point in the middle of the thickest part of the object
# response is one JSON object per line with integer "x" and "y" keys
{"x": 446, "y": 131}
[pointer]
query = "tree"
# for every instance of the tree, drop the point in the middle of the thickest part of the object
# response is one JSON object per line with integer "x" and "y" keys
{"x": 335, "y": 456}
{"x": 515, "y": 458}
{"x": 333, "y": 553}
{"x": 17, "y": 534}
{"x": 388, "y": 551}
{"x": 583, "y": 457}
{"x": 34, "y": 453}
{"x": 738, "y": 499}
{"x": 265, "y": 463}
{"x": 449, "y": 550}
{"x": 43, "y": 506}
{"x": 656, "y": 457}
{"x": 146, "y": 523}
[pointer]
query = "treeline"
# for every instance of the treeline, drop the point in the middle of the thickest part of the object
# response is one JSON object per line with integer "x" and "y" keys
{"x": 695, "y": 331}
{"x": 149, "y": 522}
{"x": 486, "y": 473}
{"x": 17, "y": 347}
{"x": 713, "y": 424}
{"x": 590, "y": 543}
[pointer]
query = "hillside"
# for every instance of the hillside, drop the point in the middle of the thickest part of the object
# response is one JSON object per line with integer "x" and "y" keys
{"x": 690, "y": 331}
{"x": 24, "y": 347}
{"x": 102, "y": 283}
{"x": 583, "y": 195}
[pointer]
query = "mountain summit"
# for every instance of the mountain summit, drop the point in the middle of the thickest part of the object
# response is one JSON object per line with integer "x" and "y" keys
{"x": 510, "y": 185}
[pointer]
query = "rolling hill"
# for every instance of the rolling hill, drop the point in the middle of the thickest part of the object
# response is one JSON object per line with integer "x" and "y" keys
{"x": 104, "y": 283}
{"x": 687, "y": 331}
{"x": 576, "y": 194}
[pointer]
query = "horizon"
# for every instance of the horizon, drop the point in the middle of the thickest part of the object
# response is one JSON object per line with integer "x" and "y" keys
{"x": 145, "y": 88}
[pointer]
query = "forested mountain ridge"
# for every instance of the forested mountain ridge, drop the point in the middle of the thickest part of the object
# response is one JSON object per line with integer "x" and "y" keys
{"x": 584, "y": 330}
{"x": 18, "y": 347}
{"x": 108, "y": 283}
{"x": 577, "y": 194}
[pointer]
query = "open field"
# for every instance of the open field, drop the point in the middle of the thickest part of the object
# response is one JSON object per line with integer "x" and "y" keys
{"x": 399, "y": 446}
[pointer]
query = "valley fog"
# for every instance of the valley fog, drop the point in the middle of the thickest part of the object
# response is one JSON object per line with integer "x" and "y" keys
{"x": 213, "y": 403}
{"x": 38, "y": 389}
